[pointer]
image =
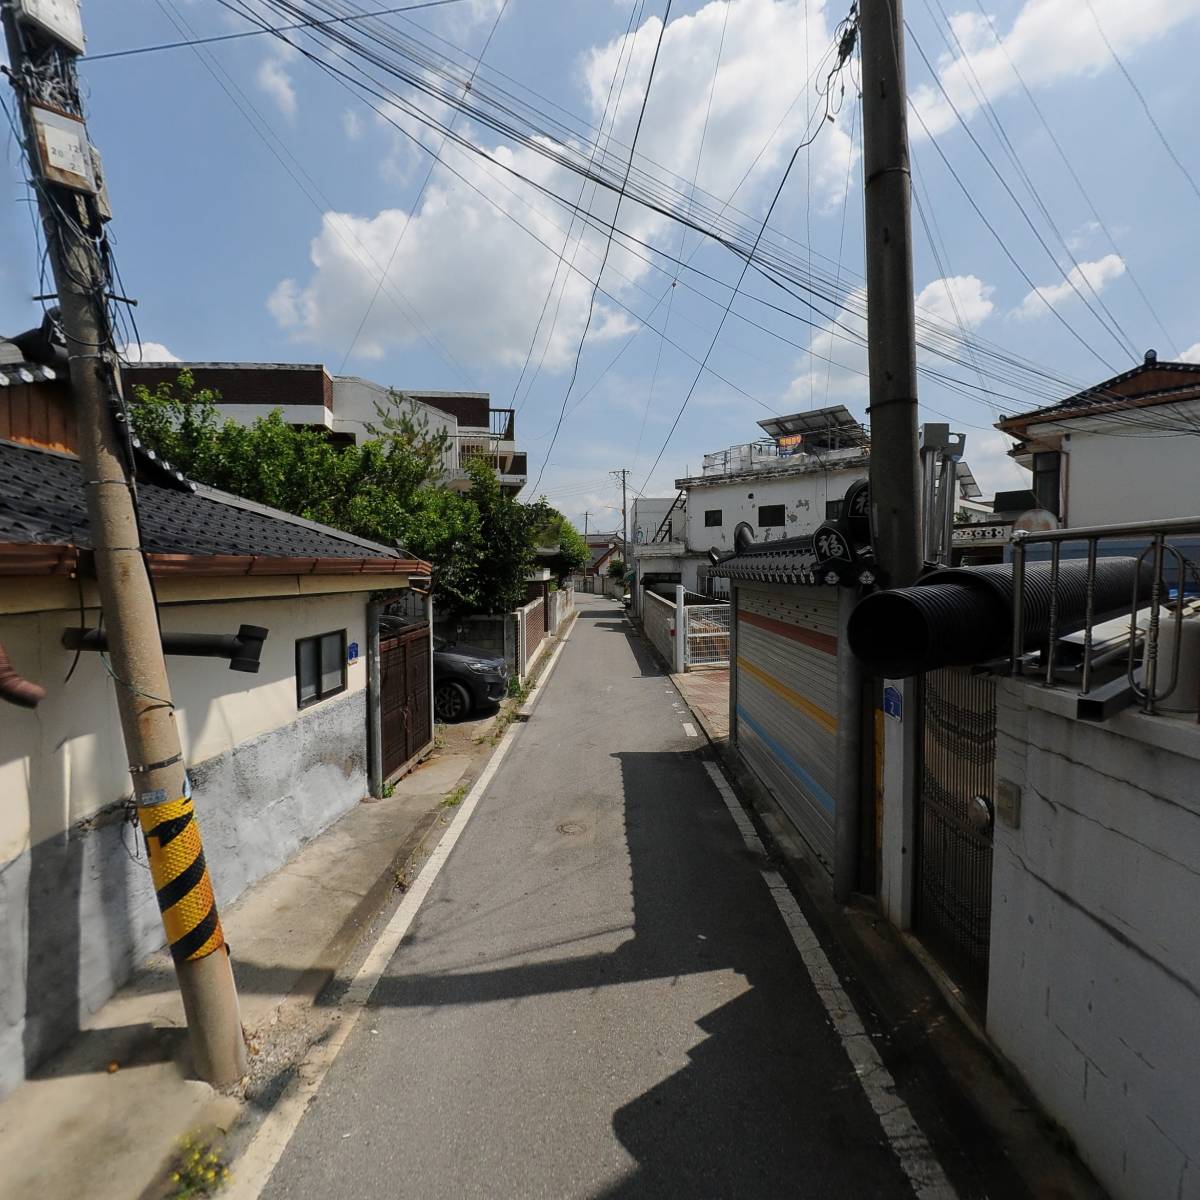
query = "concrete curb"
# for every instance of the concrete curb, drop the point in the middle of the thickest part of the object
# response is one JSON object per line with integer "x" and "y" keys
{"x": 894, "y": 973}
{"x": 526, "y": 709}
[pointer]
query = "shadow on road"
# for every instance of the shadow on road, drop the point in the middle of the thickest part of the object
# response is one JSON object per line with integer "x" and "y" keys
{"x": 768, "y": 1102}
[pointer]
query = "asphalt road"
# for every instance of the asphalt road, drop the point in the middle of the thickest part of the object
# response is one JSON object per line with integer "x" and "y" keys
{"x": 599, "y": 997}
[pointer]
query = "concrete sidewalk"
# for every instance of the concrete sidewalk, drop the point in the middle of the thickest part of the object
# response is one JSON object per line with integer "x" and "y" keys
{"x": 706, "y": 693}
{"x": 102, "y": 1118}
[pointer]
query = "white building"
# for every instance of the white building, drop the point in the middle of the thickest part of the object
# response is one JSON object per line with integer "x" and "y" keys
{"x": 345, "y": 406}
{"x": 1124, "y": 450}
{"x": 783, "y": 485}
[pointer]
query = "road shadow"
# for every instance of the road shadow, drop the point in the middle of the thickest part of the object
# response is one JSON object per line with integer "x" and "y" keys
{"x": 768, "y": 1101}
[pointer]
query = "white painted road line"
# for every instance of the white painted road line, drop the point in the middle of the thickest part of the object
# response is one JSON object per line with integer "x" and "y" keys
{"x": 253, "y": 1168}
{"x": 908, "y": 1142}
{"x": 690, "y": 729}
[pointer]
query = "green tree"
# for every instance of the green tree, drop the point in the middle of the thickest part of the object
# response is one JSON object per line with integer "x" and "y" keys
{"x": 616, "y": 569}
{"x": 560, "y": 535}
{"x": 480, "y": 544}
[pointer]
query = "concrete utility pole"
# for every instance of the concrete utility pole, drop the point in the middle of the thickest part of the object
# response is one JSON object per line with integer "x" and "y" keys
{"x": 43, "y": 42}
{"x": 891, "y": 348}
{"x": 585, "y": 522}
{"x": 623, "y": 473}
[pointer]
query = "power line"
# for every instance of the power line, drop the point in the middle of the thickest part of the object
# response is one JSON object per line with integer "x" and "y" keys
{"x": 246, "y": 33}
{"x": 1062, "y": 154}
{"x": 1013, "y": 197}
{"x": 1162, "y": 137}
{"x": 416, "y": 204}
{"x": 662, "y": 29}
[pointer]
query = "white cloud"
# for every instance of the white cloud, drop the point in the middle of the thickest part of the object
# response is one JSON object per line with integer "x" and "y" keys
{"x": 148, "y": 352}
{"x": 1080, "y": 238}
{"x": 956, "y": 298}
{"x": 479, "y": 281}
{"x": 1050, "y": 40}
{"x": 836, "y": 370}
{"x": 994, "y": 471}
{"x": 1098, "y": 274}
{"x": 1190, "y": 355}
{"x": 273, "y": 78}
{"x": 352, "y": 125}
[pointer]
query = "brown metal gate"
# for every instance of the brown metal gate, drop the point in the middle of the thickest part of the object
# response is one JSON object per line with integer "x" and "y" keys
{"x": 953, "y": 901}
{"x": 404, "y": 699}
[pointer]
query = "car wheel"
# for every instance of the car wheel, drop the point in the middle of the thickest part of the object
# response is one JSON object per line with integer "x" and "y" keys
{"x": 451, "y": 701}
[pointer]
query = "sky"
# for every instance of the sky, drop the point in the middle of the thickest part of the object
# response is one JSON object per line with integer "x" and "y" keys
{"x": 266, "y": 212}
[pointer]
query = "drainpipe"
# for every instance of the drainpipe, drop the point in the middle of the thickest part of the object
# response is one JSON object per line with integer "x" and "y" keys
{"x": 849, "y": 758}
{"x": 374, "y": 718}
{"x": 429, "y": 620}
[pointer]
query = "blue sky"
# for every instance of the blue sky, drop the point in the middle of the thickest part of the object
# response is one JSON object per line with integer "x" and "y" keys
{"x": 234, "y": 254}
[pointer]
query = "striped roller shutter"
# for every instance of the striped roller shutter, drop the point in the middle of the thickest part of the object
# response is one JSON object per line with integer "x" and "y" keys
{"x": 787, "y": 703}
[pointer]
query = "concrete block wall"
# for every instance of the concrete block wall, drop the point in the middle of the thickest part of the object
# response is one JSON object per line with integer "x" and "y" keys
{"x": 1094, "y": 991}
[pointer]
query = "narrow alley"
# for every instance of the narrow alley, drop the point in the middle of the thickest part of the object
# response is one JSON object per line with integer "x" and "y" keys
{"x": 600, "y": 995}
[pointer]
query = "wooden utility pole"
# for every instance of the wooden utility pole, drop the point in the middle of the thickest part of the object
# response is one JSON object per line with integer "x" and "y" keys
{"x": 891, "y": 348}
{"x": 585, "y": 522}
{"x": 43, "y": 42}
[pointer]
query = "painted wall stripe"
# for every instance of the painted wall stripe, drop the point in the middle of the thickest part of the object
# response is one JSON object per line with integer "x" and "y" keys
{"x": 796, "y": 633}
{"x": 814, "y": 712}
{"x": 823, "y": 797}
{"x": 906, "y": 1138}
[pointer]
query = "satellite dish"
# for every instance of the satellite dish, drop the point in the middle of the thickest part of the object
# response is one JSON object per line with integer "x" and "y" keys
{"x": 1035, "y": 520}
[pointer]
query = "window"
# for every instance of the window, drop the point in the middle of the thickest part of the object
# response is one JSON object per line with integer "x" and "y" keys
{"x": 712, "y": 516}
{"x": 1047, "y": 468}
{"x": 833, "y": 510}
{"x": 770, "y": 515}
{"x": 320, "y": 667}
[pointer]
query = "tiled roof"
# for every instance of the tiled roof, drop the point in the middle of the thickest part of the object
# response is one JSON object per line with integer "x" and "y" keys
{"x": 14, "y": 369}
{"x": 42, "y": 503}
{"x": 789, "y": 560}
{"x": 1147, "y": 383}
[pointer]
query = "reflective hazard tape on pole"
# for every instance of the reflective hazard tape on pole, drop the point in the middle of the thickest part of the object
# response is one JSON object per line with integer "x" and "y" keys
{"x": 181, "y": 880}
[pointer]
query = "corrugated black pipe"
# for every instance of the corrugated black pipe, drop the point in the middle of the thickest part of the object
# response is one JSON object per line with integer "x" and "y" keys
{"x": 956, "y": 616}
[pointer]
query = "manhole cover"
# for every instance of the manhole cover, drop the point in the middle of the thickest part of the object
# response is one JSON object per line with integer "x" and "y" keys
{"x": 571, "y": 827}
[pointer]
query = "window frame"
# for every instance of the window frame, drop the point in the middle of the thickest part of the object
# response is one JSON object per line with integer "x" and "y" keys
{"x": 719, "y": 513}
{"x": 772, "y": 508}
{"x": 301, "y": 702}
{"x": 1043, "y": 472}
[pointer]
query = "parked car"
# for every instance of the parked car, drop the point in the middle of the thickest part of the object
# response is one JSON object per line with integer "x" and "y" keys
{"x": 465, "y": 678}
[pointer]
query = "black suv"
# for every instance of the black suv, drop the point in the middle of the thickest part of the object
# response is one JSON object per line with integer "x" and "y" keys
{"x": 465, "y": 678}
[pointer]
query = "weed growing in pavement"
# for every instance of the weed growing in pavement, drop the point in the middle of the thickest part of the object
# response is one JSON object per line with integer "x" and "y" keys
{"x": 198, "y": 1170}
{"x": 517, "y": 690}
{"x": 455, "y": 798}
{"x": 389, "y": 790}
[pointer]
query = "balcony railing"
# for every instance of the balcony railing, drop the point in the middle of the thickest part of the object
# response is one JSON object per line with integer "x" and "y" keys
{"x": 1113, "y": 661}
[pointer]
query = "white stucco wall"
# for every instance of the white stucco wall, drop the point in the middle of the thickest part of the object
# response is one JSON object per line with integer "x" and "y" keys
{"x": 647, "y": 516}
{"x": 804, "y": 497}
{"x": 1094, "y": 991}
{"x": 354, "y": 401}
{"x": 1115, "y": 479}
{"x": 77, "y": 909}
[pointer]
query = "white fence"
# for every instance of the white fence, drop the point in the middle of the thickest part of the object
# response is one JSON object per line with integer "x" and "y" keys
{"x": 658, "y": 620}
{"x": 707, "y": 636}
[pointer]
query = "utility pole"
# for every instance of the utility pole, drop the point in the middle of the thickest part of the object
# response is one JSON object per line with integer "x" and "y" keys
{"x": 891, "y": 348}
{"x": 623, "y": 473}
{"x": 43, "y": 42}
{"x": 585, "y": 522}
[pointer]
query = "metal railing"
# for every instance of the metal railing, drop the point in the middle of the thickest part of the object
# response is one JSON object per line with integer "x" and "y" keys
{"x": 1144, "y": 620}
{"x": 707, "y": 636}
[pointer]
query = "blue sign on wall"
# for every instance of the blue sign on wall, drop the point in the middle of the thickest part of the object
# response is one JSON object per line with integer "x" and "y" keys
{"x": 893, "y": 703}
{"x": 352, "y": 652}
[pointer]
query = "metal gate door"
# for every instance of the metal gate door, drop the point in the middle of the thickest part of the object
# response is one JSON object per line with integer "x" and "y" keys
{"x": 953, "y": 902}
{"x": 405, "y": 720}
